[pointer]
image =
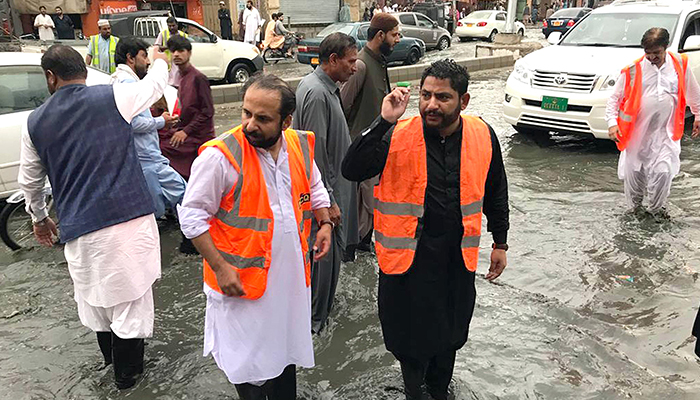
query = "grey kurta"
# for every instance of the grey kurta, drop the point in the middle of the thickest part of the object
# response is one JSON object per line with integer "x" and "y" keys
{"x": 319, "y": 110}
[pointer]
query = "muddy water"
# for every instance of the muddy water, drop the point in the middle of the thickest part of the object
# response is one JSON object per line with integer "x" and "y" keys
{"x": 559, "y": 324}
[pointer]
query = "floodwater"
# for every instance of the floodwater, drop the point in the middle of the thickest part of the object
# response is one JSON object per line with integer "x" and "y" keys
{"x": 559, "y": 324}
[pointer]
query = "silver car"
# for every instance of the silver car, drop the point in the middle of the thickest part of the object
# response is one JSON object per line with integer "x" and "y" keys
{"x": 417, "y": 25}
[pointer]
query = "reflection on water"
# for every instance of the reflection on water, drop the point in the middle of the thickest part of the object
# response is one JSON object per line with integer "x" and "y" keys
{"x": 596, "y": 303}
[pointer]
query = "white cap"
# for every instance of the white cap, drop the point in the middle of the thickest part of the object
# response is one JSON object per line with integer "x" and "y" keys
{"x": 103, "y": 22}
{"x": 221, "y": 2}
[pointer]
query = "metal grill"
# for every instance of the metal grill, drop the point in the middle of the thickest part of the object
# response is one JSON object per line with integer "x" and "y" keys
{"x": 563, "y": 81}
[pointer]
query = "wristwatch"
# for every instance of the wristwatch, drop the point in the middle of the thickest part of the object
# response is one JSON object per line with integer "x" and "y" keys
{"x": 502, "y": 246}
{"x": 326, "y": 222}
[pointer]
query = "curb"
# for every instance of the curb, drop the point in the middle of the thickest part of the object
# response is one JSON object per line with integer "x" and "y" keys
{"x": 234, "y": 93}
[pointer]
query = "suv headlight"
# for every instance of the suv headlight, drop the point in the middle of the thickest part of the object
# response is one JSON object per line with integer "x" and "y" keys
{"x": 609, "y": 82}
{"x": 521, "y": 73}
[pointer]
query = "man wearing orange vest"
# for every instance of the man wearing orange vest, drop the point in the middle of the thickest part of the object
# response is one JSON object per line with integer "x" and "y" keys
{"x": 646, "y": 115}
{"x": 439, "y": 172}
{"x": 248, "y": 209}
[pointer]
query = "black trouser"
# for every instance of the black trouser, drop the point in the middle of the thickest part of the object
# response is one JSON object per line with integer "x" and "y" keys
{"x": 284, "y": 387}
{"x": 435, "y": 372}
{"x": 127, "y": 356}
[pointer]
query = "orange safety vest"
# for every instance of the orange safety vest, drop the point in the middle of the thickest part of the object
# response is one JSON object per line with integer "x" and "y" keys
{"x": 242, "y": 228}
{"x": 400, "y": 195}
{"x": 632, "y": 99}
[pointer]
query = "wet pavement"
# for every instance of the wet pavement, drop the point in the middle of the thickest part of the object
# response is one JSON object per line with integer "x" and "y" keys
{"x": 563, "y": 321}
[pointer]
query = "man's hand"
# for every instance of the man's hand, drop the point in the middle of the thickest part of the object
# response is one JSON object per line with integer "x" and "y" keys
{"x": 229, "y": 281}
{"x": 394, "y": 104}
{"x": 323, "y": 242}
{"x": 178, "y": 138}
{"x": 169, "y": 119}
{"x": 614, "y": 133}
{"x": 45, "y": 232}
{"x": 334, "y": 214}
{"x": 498, "y": 264}
{"x": 696, "y": 128}
{"x": 159, "y": 55}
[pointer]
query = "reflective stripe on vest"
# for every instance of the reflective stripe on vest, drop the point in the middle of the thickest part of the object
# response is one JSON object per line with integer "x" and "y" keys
{"x": 400, "y": 195}
{"x": 94, "y": 43}
{"x": 632, "y": 99}
{"x": 242, "y": 227}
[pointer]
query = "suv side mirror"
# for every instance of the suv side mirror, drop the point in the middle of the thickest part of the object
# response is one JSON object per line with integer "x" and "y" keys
{"x": 692, "y": 43}
{"x": 214, "y": 38}
{"x": 554, "y": 38}
{"x": 435, "y": 25}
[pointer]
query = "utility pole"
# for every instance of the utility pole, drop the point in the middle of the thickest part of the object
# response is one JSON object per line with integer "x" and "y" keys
{"x": 510, "y": 16}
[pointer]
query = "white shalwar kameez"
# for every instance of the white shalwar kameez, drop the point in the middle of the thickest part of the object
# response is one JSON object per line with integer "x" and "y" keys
{"x": 652, "y": 158}
{"x": 252, "y": 21}
{"x": 253, "y": 341}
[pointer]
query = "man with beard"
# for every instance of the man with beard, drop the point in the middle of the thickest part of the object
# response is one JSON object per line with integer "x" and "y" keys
{"x": 251, "y": 22}
{"x": 319, "y": 110}
{"x": 44, "y": 25}
{"x": 438, "y": 172}
{"x": 248, "y": 208}
{"x": 166, "y": 186}
{"x": 102, "y": 47}
{"x": 362, "y": 98}
{"x": 225, "y": 21}
{"x": 111, "y": 237}
{"x": 65, "y": 29}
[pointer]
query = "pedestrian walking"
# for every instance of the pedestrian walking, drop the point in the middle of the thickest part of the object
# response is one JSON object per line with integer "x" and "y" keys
{"x": 526, "y": 14}
{"x": 165, "y": 185}
{"x": 367, "y": 15}
{"x": 102, "y": 47}
{"x": 549, "y": 12}
{"x": 253, "y": 234}
{"x": 646, "y": 115}
{"x": 319, "y": 110}
{"x": 44, "y": 25}
{"x": 196, "y": 124}
{"x": 225, "y": 22}
{"x": 65, "y": 29}
{"x": 101, "y": 197}
{"x": 362, "y": 98}
{"x": 439, "y": 171}
{"x": 251, "y": 23}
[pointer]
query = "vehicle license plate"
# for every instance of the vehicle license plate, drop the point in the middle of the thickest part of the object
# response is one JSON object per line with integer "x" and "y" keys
{"x": 555, "y": 103}
{"x": 556, "y": 23}
{"x": 469, "y": 25}
{"x": 314, "y": 61}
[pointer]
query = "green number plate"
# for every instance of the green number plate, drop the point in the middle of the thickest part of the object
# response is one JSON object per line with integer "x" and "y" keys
{"x": 555, "y": 103}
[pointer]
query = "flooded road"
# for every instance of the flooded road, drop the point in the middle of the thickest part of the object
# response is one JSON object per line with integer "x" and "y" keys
{"x": 559, "y": 324}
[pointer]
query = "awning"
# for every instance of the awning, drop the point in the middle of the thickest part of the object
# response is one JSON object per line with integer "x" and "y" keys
{"x": 68, "y": 6}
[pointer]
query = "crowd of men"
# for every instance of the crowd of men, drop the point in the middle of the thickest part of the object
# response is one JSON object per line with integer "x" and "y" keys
{"x": 308, "y": 178}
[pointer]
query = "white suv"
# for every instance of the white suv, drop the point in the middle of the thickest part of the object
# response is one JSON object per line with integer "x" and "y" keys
{"x": 565, "y": 87}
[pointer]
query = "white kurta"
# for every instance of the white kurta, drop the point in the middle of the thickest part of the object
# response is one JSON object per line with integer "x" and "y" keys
{"x": 44, "y": 32}
{"x": 252, "y": 21}
{"x": 254, "y": 340}
{"x": 652, "y": 157}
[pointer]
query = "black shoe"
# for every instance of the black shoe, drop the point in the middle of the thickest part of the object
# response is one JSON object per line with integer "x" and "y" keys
{"x": 366, "y": 244}
{"x": 349, "y": 254}
{"x": 128, "y": 361}
{"x": 186, "y": 247}
{"x": 104, "y": 340}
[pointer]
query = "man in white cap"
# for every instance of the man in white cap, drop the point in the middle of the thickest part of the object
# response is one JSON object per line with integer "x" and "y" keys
{"x": 225, "y": 21}
{"x": 102, "y": 47}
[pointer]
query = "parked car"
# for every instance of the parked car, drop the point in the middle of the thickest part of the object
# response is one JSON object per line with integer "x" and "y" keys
{"x": 565, "y": 87}
{"x": 417, "y": 25}
{"x": 22, "y": 89}
{"x": 563, "y": 20}
{"x": 408, "y": 51}
{"x": 485, "y": 24}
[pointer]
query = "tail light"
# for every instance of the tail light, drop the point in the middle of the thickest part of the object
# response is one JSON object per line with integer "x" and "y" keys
{"x": 459, "y": 23}
{"x": 302, "y": 49}
{"x": 544, "y": 23}
{"x": 480, "y": 24}
{"x": 570, "y": 23}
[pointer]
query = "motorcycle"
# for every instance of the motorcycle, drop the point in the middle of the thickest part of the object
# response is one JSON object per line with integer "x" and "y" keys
{"x": 287, "y": 51}
{"x": 16, "y": 228}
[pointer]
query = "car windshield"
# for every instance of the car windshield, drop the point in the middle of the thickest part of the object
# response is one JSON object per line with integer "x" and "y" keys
{"x": 479, "y": 15}
{"x": 344, "y": 28}
{"x": 566, "y": 13}
{"x": 617, "y": 29}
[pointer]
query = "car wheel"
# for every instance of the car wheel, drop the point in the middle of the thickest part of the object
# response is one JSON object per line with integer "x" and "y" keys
{"x": 444, "y": 43}
{"x": 413, "y": 56}
{"x": 463, "y": 39}
{"x": 492, "y": 36}
{"x": 521, "y": 32}
{"x": 239, "y": 73}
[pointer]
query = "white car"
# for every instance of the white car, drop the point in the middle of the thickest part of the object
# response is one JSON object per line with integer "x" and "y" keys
{"x": 22, "y": 89}
{"x": 565, "y": 87}
{"x": 485, "y": 24}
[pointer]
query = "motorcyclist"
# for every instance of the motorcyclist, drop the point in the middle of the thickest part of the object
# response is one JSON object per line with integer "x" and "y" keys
{"x": 289, "y": 36}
